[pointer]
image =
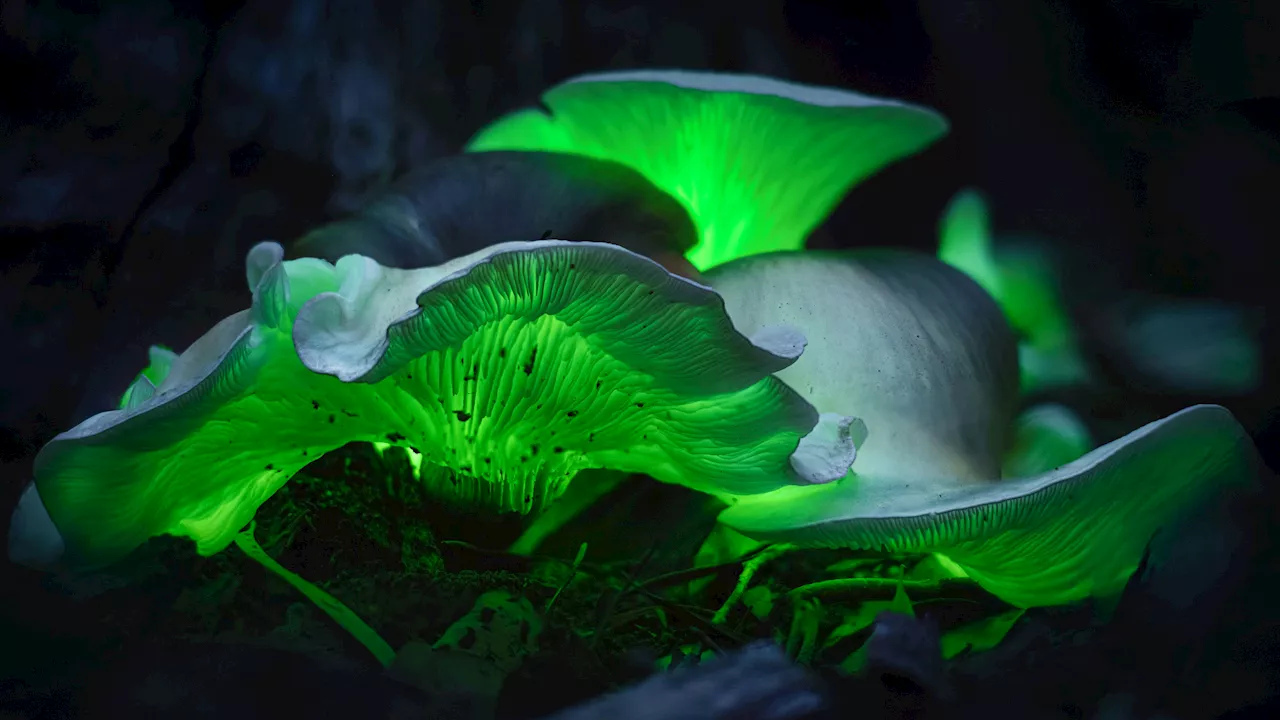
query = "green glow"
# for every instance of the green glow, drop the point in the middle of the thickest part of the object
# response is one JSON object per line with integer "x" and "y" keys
{"x": 966, "y": 242}
{"x": 590, "y": 486}
{"x": 415, "y": 458}
{"x": 979, "y": 635}
{"x": 1045, "y": 438}
{"x": 518, "y": 370}
{"x": 949, "y": 566}
{"x": 865, "y": 615}
{"x": 161, "y": 359}
{"x": 757, "y": 162}
{"x": 1048, "y": 539}
{"x": 1024, "y": 283}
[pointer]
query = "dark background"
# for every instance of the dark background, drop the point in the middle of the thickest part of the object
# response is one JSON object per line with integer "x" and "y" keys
{"x": 148, "y": 144}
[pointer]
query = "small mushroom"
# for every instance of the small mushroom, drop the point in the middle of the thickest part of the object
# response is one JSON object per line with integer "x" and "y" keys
{"x": 1165, "y": 344}
{"x": 1024, "y": 283}
{"x": 461, "y": 204}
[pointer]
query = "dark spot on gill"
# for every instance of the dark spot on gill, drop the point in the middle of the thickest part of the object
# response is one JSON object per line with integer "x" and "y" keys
{"x": 639, "y": 405}
{"x": 462, "y": 415}
{"x": 315, "y": 404}
{"x": 488, "y": 461}
{"x": 502, "y": 352}
{"x": 528, "y": 367}
{"x": 524, "y": 458}
{"x": 414, "y": 450}
{"x": 394, "y": 437}
{"x": 597, "y": 384}
{"x": 408, "y": 376}
{"x": 465, "y": 469}
{"x": 591, "y": 437}
{"x": 572, "y": 413}
{"x": 332, "y": 419}
{"x": 304, "y": 453}
{"x": 533, "y": 449}
{"x": 269, "y": 467}
{"x": 557, "y": 449}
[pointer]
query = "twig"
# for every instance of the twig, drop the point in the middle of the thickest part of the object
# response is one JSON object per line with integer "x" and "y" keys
{"x": 573, "y": 573}
{"x": 697, "y": 617}
{"x": 749, "y": 569}
{"x": 884, "y": 588}
{"x": 607, "y": 611}
{"x": 671, "y": 579}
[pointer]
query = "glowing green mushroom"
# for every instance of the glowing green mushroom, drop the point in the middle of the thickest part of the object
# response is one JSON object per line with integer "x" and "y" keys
{"x": 923, "y": 356}
{"x": 1022, "y": 280}
{"x": 1183, "y": 345}
{"x": 758, "y": 162}
{"x": 154, "y": 373}
{"x": 510, "y": 369}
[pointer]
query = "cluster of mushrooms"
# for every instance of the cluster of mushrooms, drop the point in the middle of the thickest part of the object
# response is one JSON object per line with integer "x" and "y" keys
{"x": 616, "y": 280}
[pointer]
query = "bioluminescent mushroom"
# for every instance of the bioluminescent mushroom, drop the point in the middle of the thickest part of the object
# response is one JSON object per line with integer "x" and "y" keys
{"x": 1182, "y": 345}
{"x": 161, "y": 359}
{"x": 460, "y": 204}
{"x": 1023, "y": 281}
{"x": 510, "y": 370}
{"x": 758, "y": 162}
{"x": 925, "y": 359}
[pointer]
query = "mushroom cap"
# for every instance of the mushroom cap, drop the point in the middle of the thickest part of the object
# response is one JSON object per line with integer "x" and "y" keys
{"x": 910, "y": 346}
{"x": 460, "y": 204}
{"x": 513, "y": 368}
{"x": 925, "y": 360}
{"x": 635, "y": 368}
{"x": 758, "y": 162}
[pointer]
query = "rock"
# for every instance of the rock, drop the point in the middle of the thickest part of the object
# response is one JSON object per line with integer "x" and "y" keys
{"x": 758, "y": 682}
